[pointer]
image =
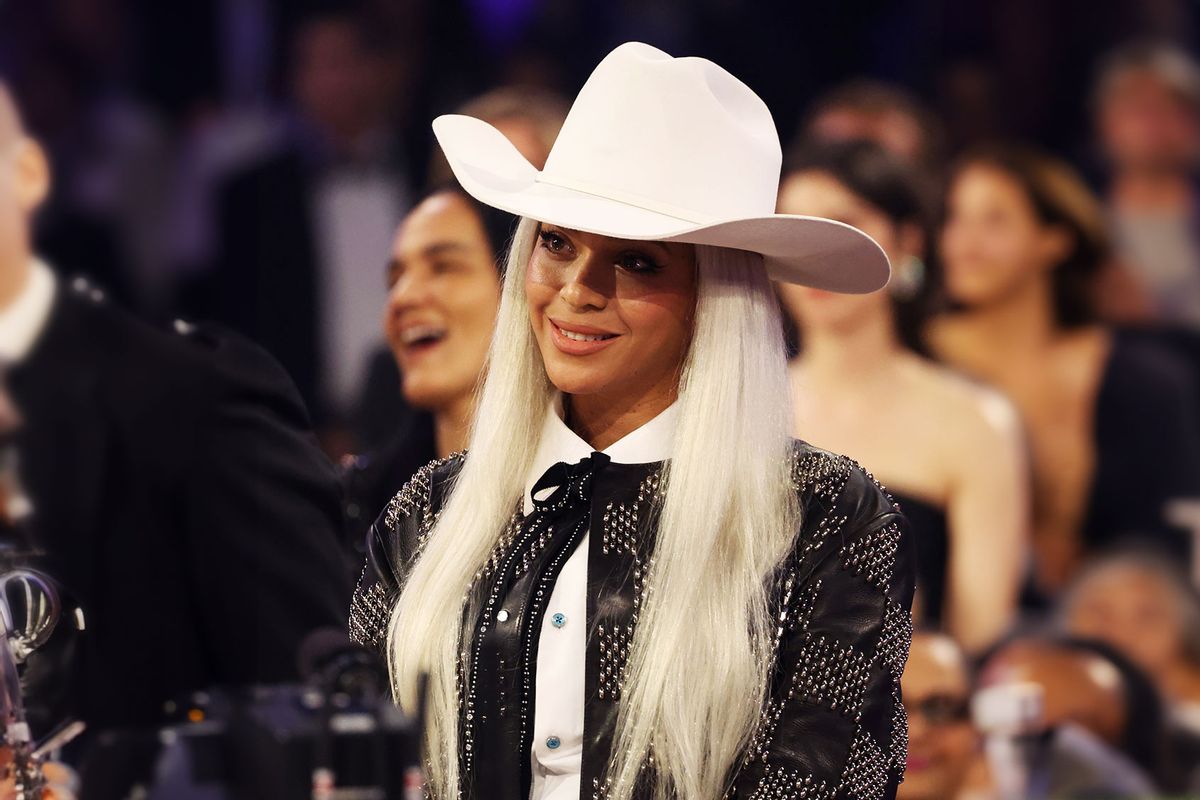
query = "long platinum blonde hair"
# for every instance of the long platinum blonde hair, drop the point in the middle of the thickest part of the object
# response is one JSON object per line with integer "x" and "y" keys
{"x": 697, "y": 670}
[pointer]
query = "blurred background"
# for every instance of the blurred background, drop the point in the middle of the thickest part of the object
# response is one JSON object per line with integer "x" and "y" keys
{"x": 249, "y": 161}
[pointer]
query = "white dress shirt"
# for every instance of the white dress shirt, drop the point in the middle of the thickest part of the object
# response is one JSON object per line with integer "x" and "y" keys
{"x": 356, "y": 214}
{"x": 22, "y": 321}
{"x": 557, "y": 752}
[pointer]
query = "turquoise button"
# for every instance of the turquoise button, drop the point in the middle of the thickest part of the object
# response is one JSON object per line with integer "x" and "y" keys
{"x": 553, "y": 742}
{"x": 558, "y": 620}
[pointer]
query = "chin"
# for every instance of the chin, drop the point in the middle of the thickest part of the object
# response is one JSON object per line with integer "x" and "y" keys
{"x": 427, "y": 395}
{"x": 571, "y": 382}
{"x": 576, "y": 379}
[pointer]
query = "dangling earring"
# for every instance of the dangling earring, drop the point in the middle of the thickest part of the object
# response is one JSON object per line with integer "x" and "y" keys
{"x": 908, "y": 278}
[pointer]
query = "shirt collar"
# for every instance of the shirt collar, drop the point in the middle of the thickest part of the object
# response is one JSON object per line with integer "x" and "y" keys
{"x": 653, "y": 441}
{"x": 23, "y": 320}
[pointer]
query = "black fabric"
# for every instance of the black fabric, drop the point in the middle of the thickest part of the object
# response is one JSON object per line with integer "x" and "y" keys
{"x": 834, "y": 724}
{"x": 1147, "y": 448}
{"x": 183, "y": 502}
{"x": 266, "y": 277}
{"x": 931, "y": 534}
{"x": 369, "y": 481}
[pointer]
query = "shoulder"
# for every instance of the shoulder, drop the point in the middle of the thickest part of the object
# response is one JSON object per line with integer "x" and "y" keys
{"x": 829, "y": 484}
{"x": 1141, "y": 363}
{"x": 847, "y": 517}
{"x": 973, "y": 415}
{"x": 398, "y": 535}
{"x": 276, "y": 172}
{"x": 424, "y": 493}
{"x": 177, "y": 368}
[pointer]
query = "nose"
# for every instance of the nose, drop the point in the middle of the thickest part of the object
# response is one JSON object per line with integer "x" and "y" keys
{"x": 410, "y": 290}
{"x": 589, "y": 283}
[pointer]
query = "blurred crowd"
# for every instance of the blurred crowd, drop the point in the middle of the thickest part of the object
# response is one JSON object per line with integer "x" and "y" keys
{"x": 1026, "y": 387}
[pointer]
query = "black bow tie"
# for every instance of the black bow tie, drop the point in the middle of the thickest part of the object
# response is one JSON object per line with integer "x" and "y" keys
{"x": 566, "y": 486}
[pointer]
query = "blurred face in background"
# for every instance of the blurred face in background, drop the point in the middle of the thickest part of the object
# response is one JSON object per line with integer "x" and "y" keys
{"x": 444, "y": 291}
{"x": 994, "y": 246}
{"x": 819, "y": 194}
{"x": 1146, "y": 125}
{"x": 612, "y": 317}
{"x": 1133, "y": 610}
{"x": 24, "y": 183}
{"x": 942, "y": 744}
{"x": 525, "y": 136}
{"x": 336, "y": 79}
{"x": 894, "y": 130}
{"x": 1078, "y": 687}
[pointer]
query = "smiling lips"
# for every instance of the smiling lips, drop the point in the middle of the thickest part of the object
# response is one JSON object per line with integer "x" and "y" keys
{"x": 420, "y": 338}
{"x": 580, "y": 340}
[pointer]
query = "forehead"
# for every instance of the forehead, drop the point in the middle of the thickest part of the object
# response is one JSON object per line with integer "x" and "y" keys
{"x": 10, "y": 117}
{"x": 812, "y": 190}
{"x": 1122, "y": 585}
{"x": 443, "y": 219}
{"x": 1140, "y": 84}
{"x": 935, "y": 665}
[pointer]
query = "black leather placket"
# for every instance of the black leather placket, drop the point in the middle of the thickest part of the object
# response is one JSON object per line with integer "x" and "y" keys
{"x": 622, "y": 541}
{"x": 499, "y": 684}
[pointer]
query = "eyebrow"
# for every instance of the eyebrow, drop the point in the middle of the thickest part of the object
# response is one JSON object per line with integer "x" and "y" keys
{"x": 662, "y": 246}
{"x": 435, "y": 249}
{"x": 440, "y": 248}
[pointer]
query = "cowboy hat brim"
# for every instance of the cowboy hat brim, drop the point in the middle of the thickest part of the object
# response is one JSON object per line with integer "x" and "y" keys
{"x": 813, "y": 251}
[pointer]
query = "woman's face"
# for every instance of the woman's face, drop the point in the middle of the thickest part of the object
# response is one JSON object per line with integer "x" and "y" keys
{"x": 942, "y": 742}
{"x": 993, "y": 244}
{"x": 819, "y": 194}
{"x": 612, "y": 317}
{"x": 443, "y": 294}
{"x": 1131, "y": 610}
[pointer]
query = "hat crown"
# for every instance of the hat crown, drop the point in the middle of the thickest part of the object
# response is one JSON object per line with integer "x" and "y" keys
{"x": 680, "y": 136}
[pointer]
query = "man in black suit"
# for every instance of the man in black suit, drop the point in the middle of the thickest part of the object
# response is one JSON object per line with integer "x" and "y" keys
{"x": 299, "y": 229}
{"x": 176, "y": 489}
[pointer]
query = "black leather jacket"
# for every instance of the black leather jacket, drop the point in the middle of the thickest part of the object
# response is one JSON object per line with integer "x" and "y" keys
{"x": 834, "y": 726}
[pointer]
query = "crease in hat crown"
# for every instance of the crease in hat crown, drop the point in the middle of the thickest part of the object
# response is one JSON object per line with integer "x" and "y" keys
{"x": 720, "y": 164}
{"x": 656, "y": 147}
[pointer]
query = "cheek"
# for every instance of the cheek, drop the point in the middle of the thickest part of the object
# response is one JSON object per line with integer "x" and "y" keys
{"x": 470, "y": 308}
{"x": 540, "y": 288}
{"x": 662, "y": 322}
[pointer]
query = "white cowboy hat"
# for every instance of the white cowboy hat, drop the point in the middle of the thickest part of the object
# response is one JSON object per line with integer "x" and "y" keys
{"x": 670, "y": 149}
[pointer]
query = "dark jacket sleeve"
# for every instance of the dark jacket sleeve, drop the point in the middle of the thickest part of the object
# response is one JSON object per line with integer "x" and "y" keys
{"x": 393, "y": 544}
{"x": 263, "y": 516}
{"x": 834, "y": 725}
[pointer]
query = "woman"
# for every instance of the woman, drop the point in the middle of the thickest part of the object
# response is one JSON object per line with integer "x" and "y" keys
{"x": 1146, "y": 608}
{"x": 635, "y": 583}
{"x": 443, "y": 282}
{"x": 1109, "y": 421}
{"x": 917, "y": 426}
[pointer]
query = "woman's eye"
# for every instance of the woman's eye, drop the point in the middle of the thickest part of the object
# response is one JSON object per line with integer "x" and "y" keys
{"x": 552, "y": 241}
{"x": 444, "y": 267}
{"x": 635, "y": 262}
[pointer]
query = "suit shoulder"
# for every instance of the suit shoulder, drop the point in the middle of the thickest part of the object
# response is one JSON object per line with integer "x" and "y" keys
{"x": 182, "y": 364}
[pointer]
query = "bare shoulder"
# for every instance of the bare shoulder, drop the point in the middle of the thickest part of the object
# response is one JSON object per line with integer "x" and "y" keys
{"x": 973, "y": 413}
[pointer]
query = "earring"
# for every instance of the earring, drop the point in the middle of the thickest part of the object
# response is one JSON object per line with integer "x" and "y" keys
{"x": 908, "y": 278}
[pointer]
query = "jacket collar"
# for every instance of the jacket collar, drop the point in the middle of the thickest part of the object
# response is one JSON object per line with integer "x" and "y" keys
{"x": 22, "y": 322}
{"x": 652, "y": 442}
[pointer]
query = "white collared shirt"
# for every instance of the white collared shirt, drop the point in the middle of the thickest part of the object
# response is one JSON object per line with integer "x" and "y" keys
{"x": 559, "y": 690}
{"x": 22, "y": 321}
